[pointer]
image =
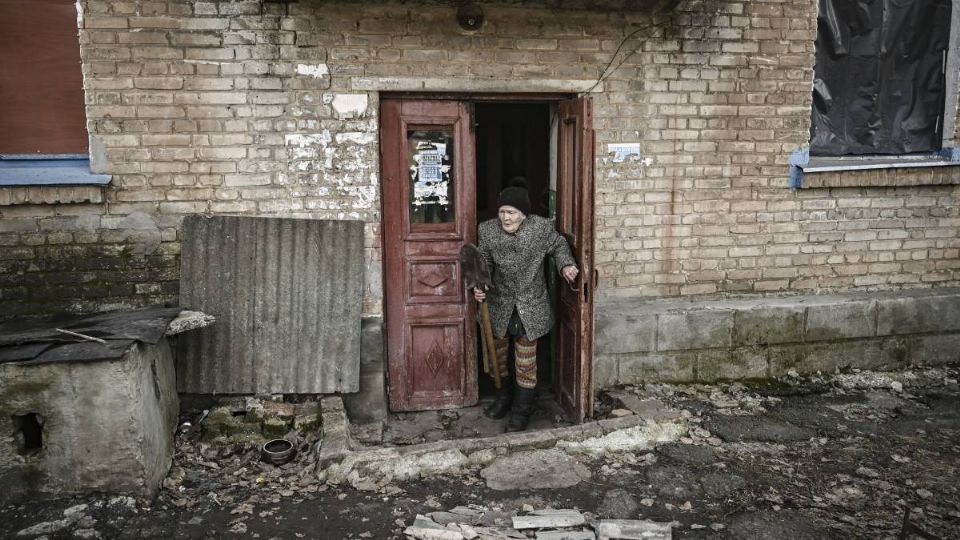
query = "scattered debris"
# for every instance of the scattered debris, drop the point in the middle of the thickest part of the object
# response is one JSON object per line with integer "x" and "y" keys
{"x": 545, "y": 524}
{"x": 632, "y": 530}
{"x": 548, "y": 519}
{"x": 565, "y": 535}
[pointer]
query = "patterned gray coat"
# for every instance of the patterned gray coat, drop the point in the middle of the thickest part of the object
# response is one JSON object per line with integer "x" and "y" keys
{"x": 516, "y": 264}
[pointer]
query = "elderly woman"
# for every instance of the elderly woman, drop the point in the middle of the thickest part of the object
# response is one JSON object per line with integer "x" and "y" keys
{"x": 514, "y": 246}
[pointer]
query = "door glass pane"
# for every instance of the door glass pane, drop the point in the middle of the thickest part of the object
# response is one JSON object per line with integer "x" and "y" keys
{"x": 431, "y": 168}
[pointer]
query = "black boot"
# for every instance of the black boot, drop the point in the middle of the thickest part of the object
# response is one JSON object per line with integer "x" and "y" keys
{"x": 523, "y": 401}
{"x": 501, "y": 403}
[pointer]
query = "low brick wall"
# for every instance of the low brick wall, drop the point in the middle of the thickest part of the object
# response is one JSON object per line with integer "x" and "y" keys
{"x": 751, "y": 338}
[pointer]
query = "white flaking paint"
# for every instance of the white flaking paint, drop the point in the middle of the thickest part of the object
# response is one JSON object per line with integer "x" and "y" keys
{"x": 355, "y": 137}
{"x": 317, "y": 71}
{"x": 350, "y": 105}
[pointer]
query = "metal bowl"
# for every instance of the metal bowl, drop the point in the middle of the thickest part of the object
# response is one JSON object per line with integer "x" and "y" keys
{"x": 277, "y": 452}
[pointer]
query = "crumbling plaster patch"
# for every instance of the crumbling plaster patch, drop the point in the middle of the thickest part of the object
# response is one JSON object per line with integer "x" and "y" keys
{"x": 317, "y": 71}
{"x": 349, "y": 105}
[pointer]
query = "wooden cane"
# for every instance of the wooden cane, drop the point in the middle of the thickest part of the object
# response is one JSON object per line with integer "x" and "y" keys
{"x": 486, "y": 353}
{"x": 488, "y": 338}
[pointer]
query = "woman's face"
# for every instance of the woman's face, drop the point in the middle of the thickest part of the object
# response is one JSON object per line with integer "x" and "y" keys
{"x": 510, "y": 218}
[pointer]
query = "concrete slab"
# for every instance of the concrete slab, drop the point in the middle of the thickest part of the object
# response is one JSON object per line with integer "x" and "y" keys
{"x": 102, "y": 426}
{"x": 750, "y": 428}
{"x": 935, "y": 350}
{"x": 605, "y": 370}
{"x": 768, "y": 325}
{"x": 369, "y": 403}
{"x": 642, "y": 367}
{"x": 539, "y": 469}
{"x": 737, "y": 364}
{"x": 695, "y": 330}
{"x": 842, "y": 320}
{"x": 915, "y": 315}
{"x": 618, "y": 332}
{"x": 827, "y": 357}
{"x": 653, "y": 410}
{"x": 339, "y": 458}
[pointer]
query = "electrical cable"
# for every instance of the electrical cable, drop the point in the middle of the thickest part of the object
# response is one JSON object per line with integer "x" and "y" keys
{"x": 603, "y": 74}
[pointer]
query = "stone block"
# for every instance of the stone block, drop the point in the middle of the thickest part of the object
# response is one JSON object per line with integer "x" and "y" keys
{"x": 624, "y": 333}
{"x": 935, "y": 350}
{"x": 745, "y": 363}
{"x": 275, "y": 428}
{"x": 920, "y": 314}
{"x": 371, "y": 344}
{"x": 671, "y": 367}
{"x": 828, "y": 357}
{"x": 768, "y": 325}
{"x": 841, "y": 320}
{"x": 104, "y": 426}
{"x": 370, "y": 403}
{"x": 223, "y": 424}
{"x": 605, "y": 371}
{"x": 695, "y": 329}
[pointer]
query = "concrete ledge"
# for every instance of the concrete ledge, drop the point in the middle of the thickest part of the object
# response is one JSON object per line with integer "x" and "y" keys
{"x": 746, "y": 338}
{"x": 339, "y": 459}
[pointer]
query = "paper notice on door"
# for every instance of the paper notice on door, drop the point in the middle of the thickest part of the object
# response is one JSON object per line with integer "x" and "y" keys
{"x": 431, "y": 185}
{"x": 430, "y": 170}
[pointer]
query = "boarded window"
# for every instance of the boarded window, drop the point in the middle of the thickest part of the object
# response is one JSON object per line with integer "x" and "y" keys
{"x": 41, "y": 85}
{"x": 879, "y": 85}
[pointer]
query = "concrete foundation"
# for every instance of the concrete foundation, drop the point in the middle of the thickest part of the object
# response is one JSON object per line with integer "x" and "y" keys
{"x": 752, "y": 338}
{"x": 369, "y": 404}
{"x": 77, "y": 427}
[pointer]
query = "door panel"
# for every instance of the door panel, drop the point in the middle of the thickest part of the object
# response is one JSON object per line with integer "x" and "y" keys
{"x": 429, "y": 190}
{"x": 575, "y": 221}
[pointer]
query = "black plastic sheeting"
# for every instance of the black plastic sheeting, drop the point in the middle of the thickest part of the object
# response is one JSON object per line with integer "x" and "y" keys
{"x": 879, "y": 85}
{"x": 38, "y": 342}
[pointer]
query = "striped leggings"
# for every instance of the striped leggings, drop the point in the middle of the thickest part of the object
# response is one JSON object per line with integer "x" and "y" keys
{"x": 525, "y": 360}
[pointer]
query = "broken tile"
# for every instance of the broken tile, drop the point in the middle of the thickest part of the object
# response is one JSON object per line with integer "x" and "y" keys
{"x": 632, "y": 529}
{"x": 565, "y": 535}
{"x": 424, "y": 528}
{"x": 543, "y": 519}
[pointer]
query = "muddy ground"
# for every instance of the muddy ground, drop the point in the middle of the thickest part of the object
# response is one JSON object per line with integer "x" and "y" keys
{"x": 829, "y": 457}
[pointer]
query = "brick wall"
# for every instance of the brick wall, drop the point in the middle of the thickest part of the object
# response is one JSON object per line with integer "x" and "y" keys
{"x": 253, "y": 108}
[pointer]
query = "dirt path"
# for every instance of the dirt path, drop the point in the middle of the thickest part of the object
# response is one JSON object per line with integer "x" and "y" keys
{"x": 840, "y": 457}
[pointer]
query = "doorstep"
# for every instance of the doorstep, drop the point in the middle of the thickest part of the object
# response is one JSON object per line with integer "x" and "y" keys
{"x": 341, "y": 459}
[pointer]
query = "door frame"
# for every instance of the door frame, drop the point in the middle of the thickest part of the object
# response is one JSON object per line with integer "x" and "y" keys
{"x": 554, "y": 98}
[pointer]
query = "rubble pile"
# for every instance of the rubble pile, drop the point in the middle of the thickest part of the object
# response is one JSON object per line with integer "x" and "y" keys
{"x": 475, "y": 522}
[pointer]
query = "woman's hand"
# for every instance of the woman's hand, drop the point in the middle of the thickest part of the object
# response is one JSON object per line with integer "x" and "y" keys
{"x": 570, "y": 273}
{"x": 479, "y": 295}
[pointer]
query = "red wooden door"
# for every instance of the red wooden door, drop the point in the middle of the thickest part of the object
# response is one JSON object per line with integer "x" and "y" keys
{"x": 429, "y": 194}
{"x": 575, "y": 221}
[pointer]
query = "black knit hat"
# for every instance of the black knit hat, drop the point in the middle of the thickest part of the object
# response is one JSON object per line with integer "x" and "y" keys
{"x": 516, "y": 195}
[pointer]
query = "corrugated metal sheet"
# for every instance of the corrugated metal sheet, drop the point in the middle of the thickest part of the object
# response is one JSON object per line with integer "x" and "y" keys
{"x": 287, "y": 295}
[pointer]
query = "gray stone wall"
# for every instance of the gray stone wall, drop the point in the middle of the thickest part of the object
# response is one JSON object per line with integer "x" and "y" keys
{"x": 262, "y": 108}
{"x": 757, "y": 338}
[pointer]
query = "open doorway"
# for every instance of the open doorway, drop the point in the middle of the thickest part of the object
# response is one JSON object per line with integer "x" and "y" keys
{"x": 444, "y": 160}
{"x": 514, "y": 139}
